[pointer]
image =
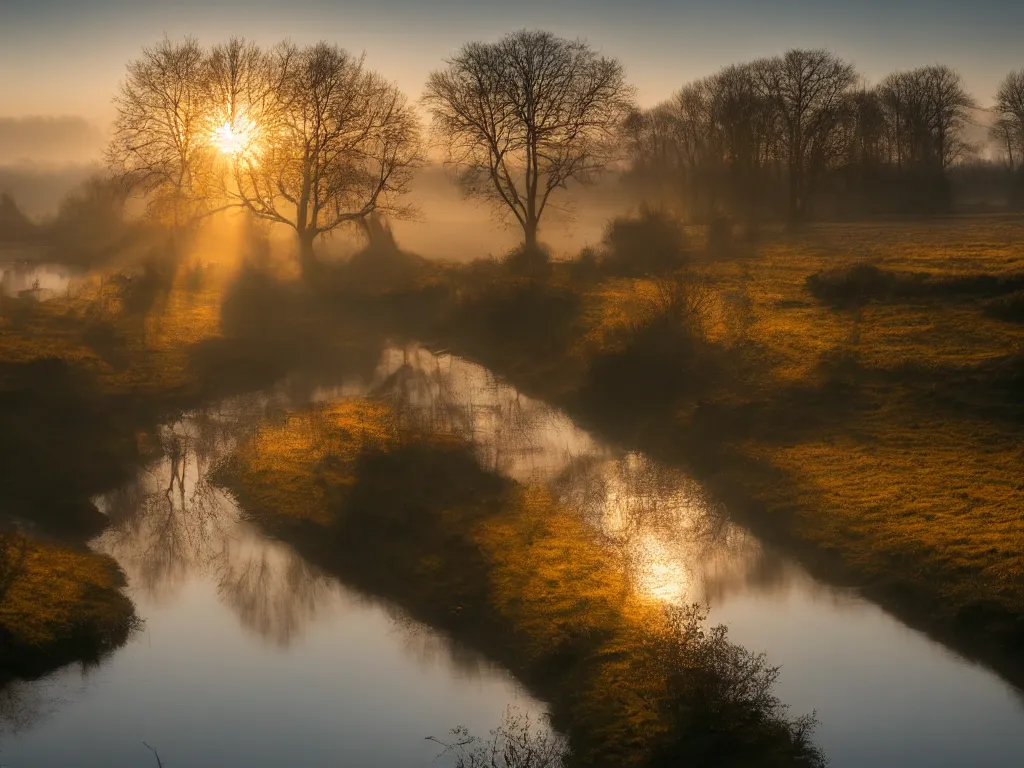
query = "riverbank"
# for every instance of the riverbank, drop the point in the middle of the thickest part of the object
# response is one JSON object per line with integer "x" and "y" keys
{"x": 57, "y": 605}
{"x": 411, "y": 516}
{"x": 877, "y": 437}
{"x": 86, "y": 378}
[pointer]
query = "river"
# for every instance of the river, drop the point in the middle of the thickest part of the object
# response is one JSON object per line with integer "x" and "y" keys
{"x": 250, "y": 656}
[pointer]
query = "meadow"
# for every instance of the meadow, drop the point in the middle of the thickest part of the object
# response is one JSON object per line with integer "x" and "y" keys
{"x": 852, "y": 392}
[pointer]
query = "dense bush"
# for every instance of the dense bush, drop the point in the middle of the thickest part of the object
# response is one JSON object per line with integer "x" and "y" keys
{"x": 1009, "y": 307}
{"x": 863, "y": 283}
{"x": 652, "y": 242}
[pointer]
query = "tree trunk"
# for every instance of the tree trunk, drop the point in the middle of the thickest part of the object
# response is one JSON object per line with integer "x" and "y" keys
{"x": 530, "y": 244}
{"x": 307, "y": 258}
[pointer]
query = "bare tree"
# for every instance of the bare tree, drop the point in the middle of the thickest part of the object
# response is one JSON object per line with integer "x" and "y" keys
{"x": 161, "y": 133}
{"x": 332, "y": 143}
{"x": 810, "y": 91}
{"x": 927, "y": 110}
{"x": 1009, "y": 109}
{"x": 1005, "y": 134}
{"x": 524, "y": 116}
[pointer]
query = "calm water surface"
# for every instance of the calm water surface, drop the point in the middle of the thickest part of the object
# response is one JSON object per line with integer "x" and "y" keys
{"x": 252, "y": 657}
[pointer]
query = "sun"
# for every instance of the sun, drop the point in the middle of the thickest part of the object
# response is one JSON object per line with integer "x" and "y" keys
{"x": 232, "y": 140}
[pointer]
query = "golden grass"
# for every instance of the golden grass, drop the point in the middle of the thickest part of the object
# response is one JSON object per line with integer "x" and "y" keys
{"x": 501, "y": 561}
{"x": 292, "y": 465}
{"x": 913, "y": 490}
{"x": 53, "y": 596}
{"x": 885, "y": 438}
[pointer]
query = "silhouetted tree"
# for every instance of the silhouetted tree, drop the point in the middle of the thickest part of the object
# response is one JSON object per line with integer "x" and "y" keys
{"x": 526, "y": 115}
{"x": 1007, "y": 139}
{"x": 810, "y": 91}
{"x": 1008, "y": 129}
{"x": 331, "y": 143}
{"x": 161, "y": 132}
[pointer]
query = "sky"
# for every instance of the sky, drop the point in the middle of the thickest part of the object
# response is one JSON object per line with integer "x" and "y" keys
{"x": 66, "y": 57}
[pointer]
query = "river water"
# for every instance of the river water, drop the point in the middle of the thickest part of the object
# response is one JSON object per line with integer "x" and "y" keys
{"x": 250, "y": 656}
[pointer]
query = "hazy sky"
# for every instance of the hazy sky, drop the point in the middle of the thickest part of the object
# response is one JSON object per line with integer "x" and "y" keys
{"x": 60, "y": 57}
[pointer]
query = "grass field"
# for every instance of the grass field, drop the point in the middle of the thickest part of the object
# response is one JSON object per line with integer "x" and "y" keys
{"x": 881, "y": 436}
{"x": 911, "y": 472}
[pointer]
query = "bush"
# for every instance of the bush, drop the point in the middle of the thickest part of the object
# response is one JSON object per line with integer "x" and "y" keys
{"x": 652, "y": 242}
{"x": 1009, "y": 308}
{"x": 516, "y": 743}
{"x": 533, "y": 312}
{"x": 861, "y": 283}
{"x": 586, "y": 267}
{"x": 532, "y": 262}
{"x": 664, "y": 357}
{"x": 852, "y": 286}
{"x": 91, "y": 227}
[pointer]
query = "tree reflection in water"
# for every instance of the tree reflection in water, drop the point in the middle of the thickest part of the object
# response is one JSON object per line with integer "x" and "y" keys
{"x": 171, "y": 525}
{"x": 678, "y": 545}
{"x": 25, "y": 703}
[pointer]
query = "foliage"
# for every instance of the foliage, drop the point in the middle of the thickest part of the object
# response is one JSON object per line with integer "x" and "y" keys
{"x": 515, "y": 743}
{"x": 653, "y": 242}
{"x": 863, "y": 283}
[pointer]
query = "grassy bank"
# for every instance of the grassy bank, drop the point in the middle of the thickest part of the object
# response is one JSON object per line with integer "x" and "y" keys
{"x": 85, "y": 380}
{"x": 873, "y": 427}
{"x": 504, "y": 569}
{"x": 57, "y": 605}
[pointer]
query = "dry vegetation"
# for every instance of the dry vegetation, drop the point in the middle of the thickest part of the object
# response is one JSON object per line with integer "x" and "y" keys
{"x": 413, "y": 518}
{"x": 84, "y": 380}
{"x": 57, "y": 605}
{"x": 880, "y": 435}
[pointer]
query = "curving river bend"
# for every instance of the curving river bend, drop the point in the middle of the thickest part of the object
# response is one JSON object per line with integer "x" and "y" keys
{"x": 250, "y": 656}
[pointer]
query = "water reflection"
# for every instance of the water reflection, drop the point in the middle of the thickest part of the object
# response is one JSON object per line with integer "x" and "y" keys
{"x": 172, "y": 525}
{"x": 520, "y": 437}
{"x": 40, "y": 281}
{"x": 678, "y": 546}
{"x": 881, "y": 690}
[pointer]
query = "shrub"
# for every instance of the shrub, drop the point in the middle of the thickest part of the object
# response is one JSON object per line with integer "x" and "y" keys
{"x": 586, "y": 267}
{"x": 532, "y": 262}
{"x": 652, "y": 242}
{"x": 852, "y": 286}
{"x": 861, "y": 283}
{"x": 1009, "y": 308}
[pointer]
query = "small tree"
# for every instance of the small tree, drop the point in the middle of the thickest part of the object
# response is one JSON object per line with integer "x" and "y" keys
{"x": 522, "y": 117}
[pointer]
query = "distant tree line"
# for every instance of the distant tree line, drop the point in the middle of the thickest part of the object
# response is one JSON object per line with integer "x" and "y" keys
{"x": 800, "y": 135}
{"x": 310, "y": 138}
